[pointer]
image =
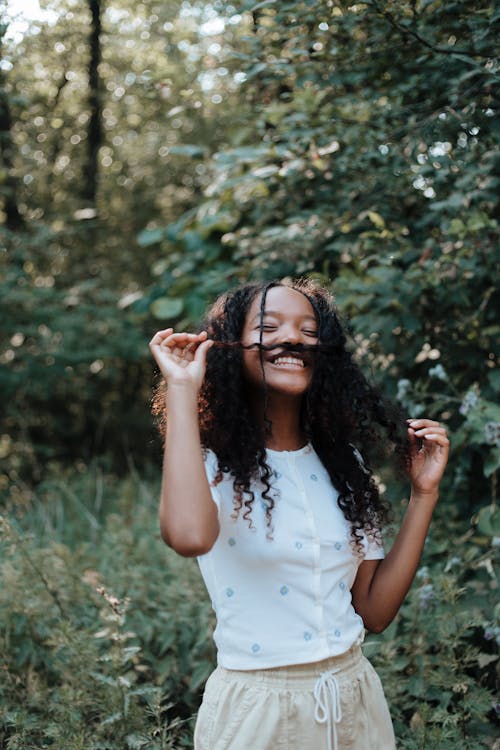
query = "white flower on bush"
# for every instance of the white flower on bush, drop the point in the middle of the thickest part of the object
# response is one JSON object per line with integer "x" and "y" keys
{"x": 492, "y": 433}
{"x": 471, "y": 400}
{"x": 438, "y": 372}
{"x": 492, "y": 633}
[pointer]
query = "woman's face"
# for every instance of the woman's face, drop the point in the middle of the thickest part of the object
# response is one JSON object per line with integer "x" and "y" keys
{"x": 288, "y": 318}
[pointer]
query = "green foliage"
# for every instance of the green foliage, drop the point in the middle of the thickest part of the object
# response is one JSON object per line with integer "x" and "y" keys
{"x": 106, "y": 634}
{"x": 356, "y": 143}
{"x": 76, "y": 375}
{"x": 369, "y": 161}
{"x": 439, "y": 659}
{"x": 73, "y": 358}
{"x": 105, "y": 642}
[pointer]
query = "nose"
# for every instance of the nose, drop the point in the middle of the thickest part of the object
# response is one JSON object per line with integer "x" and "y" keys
{"x": 291, "y": 334}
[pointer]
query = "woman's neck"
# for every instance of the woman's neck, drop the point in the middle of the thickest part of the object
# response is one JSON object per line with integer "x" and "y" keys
{"x": 284, "y": 414}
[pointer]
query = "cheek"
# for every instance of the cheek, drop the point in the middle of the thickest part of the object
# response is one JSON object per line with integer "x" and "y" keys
{"x": 250, "y": 337}
{"x": 251, "y": 367}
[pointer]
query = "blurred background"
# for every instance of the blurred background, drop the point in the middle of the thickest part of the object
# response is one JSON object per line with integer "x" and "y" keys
{"x": 153, "y": 155}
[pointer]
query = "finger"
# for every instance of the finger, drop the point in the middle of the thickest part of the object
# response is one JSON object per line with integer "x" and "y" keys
{"x": 437, "y": 439}
{"x": 160, "y": 336}
{"x": 176, "y": 340}
{"x": 429, "y": 430}
{"x": 414, "y": 446}
{"x": 200, "y": 354}
{"x": 184, "y": 338}
{"x": 417, "y": 423}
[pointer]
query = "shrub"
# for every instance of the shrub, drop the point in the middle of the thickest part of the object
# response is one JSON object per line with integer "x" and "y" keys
{"x": 106, "y": 634}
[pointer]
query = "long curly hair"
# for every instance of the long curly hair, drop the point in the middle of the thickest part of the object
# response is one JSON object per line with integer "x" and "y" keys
{"x": 344, "y": 417}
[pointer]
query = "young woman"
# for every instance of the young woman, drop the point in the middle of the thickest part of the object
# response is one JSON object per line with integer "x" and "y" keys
{"x": 269, "y": 426}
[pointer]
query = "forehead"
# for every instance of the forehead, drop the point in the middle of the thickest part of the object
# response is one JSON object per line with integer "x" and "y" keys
{"x": 282, "y": 301}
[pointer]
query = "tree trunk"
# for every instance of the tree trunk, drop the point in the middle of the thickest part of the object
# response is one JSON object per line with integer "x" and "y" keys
{"x": 13, "y": 219}
{"x": 94, "y": 135}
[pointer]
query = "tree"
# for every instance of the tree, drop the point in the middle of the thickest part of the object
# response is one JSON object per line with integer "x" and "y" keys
{"x": 78, "y": 379}
{"x": 13, "y": 219}
{"x": 369, "y": 160}
{"x": 94, "y": 134}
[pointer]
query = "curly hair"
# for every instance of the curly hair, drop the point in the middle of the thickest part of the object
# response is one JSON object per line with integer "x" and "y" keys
{"x": 343, "y": 416}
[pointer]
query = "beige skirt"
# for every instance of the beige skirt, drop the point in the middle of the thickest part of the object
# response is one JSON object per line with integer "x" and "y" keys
{"x": 334, "y": 704}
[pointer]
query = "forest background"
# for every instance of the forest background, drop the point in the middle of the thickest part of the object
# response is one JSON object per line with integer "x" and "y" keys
{"x": 152, "y": 155}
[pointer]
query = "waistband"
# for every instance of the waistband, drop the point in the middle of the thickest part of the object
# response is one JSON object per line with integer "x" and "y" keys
{"x": 296, "y": 675}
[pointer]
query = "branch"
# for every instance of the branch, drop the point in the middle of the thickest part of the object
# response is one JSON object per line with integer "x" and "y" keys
{"x": 411, "y": 32}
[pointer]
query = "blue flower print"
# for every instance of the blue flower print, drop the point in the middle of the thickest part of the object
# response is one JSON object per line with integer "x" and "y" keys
{"x": 307, "y": 635}
{"x": 255, "y": 648}
{"x": 298, "y": 545}
{"x": 337, "y": 545}
{"x": 314, "y": 477}
{"x": 231, "y": 541}
{"x": 229, "y": 592}
{"x": 284, "y": 590}
{"x": 337, "y": 634}
{"x": 277, "y": 474}
{"x": 342, "y": 585}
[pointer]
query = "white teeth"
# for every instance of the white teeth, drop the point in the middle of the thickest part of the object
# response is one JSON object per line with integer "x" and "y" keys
{"x": 288, "y": 361}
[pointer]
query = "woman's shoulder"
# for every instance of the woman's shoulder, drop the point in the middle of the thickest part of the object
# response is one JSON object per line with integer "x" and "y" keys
{"x": 210, "y": 461}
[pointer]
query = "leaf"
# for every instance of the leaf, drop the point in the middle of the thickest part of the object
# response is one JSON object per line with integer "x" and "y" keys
{"x": 376, "y": 219}
{"x": 488, "y": 520}
{"x": 200, "y": 674}
{"x": 262, "y": 5}
{"x": 188, "y": 149}
{"x": 112, "y": 719}
{"x": 150, "y": 236}
{"x": 104, "y": 678}
{"x": 165, "y": 308}
{"x": 484, "y": 659}
{"x": 244, "y": 154}
{"x": 491, "y": 463}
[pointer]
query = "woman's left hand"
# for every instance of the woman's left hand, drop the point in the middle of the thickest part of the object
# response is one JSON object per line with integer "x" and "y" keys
{"x": 428, "y": 461}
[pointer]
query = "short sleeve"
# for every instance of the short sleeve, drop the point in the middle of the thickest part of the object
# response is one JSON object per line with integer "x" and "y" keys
{"x": 211, "y": 468}
{"x": 374, "y": 548}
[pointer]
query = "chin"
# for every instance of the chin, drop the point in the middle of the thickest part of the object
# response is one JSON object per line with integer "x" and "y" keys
{"x": 291, "y": 386}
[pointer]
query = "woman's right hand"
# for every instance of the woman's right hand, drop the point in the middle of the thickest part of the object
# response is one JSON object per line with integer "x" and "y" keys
{"x": 181, "y": 357}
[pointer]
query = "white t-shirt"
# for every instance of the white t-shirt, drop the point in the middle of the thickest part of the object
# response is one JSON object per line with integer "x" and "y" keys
{"x": 285, "y": 600}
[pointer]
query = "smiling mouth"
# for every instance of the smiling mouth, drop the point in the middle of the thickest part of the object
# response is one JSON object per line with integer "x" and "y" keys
{"x": 285, "y": 362}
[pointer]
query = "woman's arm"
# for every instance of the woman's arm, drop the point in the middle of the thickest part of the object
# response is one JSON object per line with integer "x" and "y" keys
{"x": 188, "y": 515}
{"x": 381, "y": 585}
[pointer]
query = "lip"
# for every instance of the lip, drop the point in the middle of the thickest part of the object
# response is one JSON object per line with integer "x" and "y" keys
{"x": 301, "y": 356}
{"x": 295, "y": 362}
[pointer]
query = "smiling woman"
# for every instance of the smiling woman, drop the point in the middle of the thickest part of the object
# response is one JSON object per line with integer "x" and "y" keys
{"x": 268, "y": 424}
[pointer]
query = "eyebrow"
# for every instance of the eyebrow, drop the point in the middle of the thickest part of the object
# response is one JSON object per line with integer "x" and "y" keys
{"x": 279, "y": 315}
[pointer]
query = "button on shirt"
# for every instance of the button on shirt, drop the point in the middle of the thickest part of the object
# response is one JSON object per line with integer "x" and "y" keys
{"x": 286, "y": 599}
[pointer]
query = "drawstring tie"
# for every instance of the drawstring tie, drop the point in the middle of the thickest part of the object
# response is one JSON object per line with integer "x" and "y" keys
{"x": 327, "y": 709}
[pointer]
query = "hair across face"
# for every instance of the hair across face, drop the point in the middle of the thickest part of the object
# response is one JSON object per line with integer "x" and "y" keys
{"x": 342, "y": 414}
{"x": 280, "y": 323}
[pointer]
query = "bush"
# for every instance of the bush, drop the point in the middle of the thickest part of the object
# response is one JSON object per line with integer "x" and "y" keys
{"x": 106, "y": 642}
{"x": 438, "y": 659}
{"x": 106, "y": 633}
